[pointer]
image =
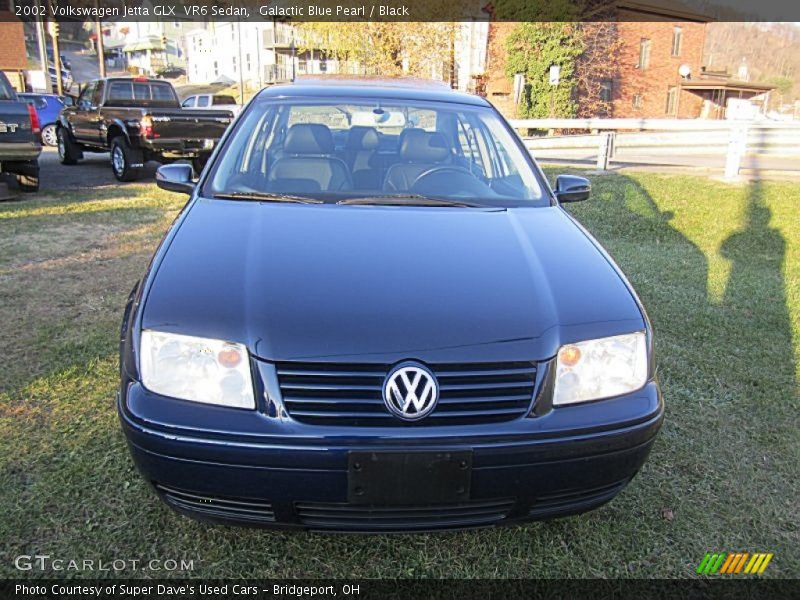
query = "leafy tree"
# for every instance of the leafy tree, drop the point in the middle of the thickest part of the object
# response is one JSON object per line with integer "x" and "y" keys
{"x": 386, "y": 48}
{"x": 532, "y": 48}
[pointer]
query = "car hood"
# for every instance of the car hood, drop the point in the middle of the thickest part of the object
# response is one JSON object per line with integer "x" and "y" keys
{"x": 377, "y": 283}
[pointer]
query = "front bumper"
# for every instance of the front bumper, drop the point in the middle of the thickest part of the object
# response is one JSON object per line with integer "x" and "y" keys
{"x": 248, "y": 468}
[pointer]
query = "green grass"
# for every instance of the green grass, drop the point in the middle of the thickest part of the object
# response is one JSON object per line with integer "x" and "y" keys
{"x": 717, "y": 266}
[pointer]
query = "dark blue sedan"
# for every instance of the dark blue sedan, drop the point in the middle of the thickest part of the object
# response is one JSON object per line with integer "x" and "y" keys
{"x": 373, "y": 314}
{"x": 48, "y": 107}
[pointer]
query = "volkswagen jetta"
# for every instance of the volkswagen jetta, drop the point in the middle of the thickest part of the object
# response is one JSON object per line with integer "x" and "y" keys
{"x": 373, "y": 314}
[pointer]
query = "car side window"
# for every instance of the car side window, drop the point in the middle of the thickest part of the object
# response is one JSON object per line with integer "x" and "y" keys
{"x": 189, "y": 102}
{"x": 202, "y": 101}
{"x": 86, "y": 95}
{"x": 97, "y": 95}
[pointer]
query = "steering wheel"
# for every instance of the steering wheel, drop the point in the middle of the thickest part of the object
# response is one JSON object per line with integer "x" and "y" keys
{"x": 450, "y": 181}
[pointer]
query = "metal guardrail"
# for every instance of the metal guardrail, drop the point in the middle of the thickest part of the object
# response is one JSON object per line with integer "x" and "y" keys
{"x": 624, "y": 140}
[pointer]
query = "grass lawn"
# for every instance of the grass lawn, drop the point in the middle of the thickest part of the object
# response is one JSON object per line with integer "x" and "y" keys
{"x": 718, "y": 267}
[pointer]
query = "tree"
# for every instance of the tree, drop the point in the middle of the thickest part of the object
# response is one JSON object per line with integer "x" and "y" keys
{"x": 386, "y": 48}
{"x": 532, "y": 48}
{"x": 597, "y": 68}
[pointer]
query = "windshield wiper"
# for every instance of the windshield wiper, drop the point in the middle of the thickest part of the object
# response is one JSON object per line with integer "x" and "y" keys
{"x": 407, "y": 200}
{"x": 266, "y": 197}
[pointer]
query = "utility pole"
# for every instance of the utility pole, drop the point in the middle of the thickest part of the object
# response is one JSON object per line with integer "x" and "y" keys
{"x": 41, "y": 38}
{"x": 54, "y": 31}
{"x": 101, "y": 53}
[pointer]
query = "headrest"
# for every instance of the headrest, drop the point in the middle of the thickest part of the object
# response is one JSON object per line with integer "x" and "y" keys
{"x": 362, "y": 138}
{"x": 308, "y": 138}
{"x": 420, "y": 146}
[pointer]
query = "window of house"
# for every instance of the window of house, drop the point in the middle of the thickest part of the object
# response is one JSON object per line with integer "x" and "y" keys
{"x": 606, "y": 89}
{"x": 672, "y": 100}
{"x": 677, "y": 41}
{"x": 638, "y": 101}
{"x": 234, "y": 64}
{"x": 644, "y": 53}
{"x": 247, "y": 58}
{"x": 216, "y": 68}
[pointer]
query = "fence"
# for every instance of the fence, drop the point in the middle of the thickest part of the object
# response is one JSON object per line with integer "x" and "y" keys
{"x": 655, "y": 140}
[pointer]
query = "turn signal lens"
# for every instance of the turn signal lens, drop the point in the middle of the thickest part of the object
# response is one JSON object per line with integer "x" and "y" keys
{"x": 229, "y": 357}
{"x": 569, "y": 355}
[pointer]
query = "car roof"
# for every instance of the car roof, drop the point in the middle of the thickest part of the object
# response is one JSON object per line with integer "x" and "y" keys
{"x": 367, "y": 87}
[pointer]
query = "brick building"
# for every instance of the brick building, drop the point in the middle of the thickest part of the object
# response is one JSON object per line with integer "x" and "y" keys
{"x": 13, "y": 59}
{"x": 658, "y": 70}
{"x": 656, "y": 57}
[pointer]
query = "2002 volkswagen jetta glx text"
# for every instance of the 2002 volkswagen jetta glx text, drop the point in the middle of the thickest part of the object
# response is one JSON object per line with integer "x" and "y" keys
{"x": 373, "y": 314}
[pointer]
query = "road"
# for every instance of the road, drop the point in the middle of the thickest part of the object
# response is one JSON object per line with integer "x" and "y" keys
{"x": 751, "y": 164}
{"x": 84, "y": 67}
{"x": 93, "y": 171}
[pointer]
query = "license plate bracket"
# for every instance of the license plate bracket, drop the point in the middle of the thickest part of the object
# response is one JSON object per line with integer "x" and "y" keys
{"x": 408, "y": 478}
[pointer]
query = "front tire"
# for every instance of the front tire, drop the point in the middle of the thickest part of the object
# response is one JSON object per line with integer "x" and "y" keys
{"x": 68, "y": 152}
{"x": 123, "y": 157}
{"x": 49, "y": 135}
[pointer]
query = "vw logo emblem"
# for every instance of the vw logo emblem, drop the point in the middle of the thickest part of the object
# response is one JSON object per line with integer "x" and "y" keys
{"x": 410, "y": 391}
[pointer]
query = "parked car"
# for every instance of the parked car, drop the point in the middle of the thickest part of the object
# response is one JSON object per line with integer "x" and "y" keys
{"x": 48, "y": 107}
{"x": 374, "y": 314}
{"x": 137, "y": 120}
{"x": 66, "y": 79}
{"x": 20, "y": 134}
{"x": 65, "y": 63}
{"x": 171, "y": 72}
{"x": 219, "y": 101}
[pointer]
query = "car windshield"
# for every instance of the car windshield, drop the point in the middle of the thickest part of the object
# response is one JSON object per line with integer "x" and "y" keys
{"x": 370, "y": 151}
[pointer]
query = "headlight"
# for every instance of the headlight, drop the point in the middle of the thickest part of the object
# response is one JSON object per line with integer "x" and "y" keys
{"x": 600, "y": 368}
{"x": 197, "y": 369}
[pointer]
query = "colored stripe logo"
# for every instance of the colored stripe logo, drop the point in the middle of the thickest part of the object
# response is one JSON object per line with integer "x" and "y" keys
{"x": 734, "y": 563}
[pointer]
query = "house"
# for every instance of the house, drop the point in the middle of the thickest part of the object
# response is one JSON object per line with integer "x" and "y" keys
{"x": 13, "y": 59}
{"x": 657, "y": 69}
{"x": 258, "y": 53}
{"x": 147, "y": 46}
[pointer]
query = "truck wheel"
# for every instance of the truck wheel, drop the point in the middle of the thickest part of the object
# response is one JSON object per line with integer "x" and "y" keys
{"x": 199, "y": 163}
{"x": 49, "y": 137}
{"x": 123, "y": 157}
{"x": 68, "y": 151}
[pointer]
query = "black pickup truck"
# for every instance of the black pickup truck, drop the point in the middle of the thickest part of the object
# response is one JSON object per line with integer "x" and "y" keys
{"x": 137, "y": 119}
{"x": 20, "y": 143}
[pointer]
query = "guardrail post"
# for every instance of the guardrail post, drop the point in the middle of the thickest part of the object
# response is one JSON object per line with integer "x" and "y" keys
{"x": 737, "y": 146}
{"x": 604, "y": 151}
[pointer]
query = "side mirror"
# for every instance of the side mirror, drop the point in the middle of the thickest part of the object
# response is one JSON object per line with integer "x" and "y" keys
{"x": 570, "y": 188}
{"x": 175, "y": 178}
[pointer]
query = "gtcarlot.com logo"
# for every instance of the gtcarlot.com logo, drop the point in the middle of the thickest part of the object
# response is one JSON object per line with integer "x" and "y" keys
{"x": 45, "y": 562}
{"x": 734, "y": 563}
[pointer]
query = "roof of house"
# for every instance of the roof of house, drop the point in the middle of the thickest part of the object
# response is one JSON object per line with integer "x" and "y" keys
{"x": 728, "y": 84}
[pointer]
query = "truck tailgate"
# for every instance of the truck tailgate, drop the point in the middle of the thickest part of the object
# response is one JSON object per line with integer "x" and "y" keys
{"x": 15, "y": 123}
{"x": 190, "y": 124}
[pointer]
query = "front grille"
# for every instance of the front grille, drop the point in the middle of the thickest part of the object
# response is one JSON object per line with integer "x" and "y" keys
{"x": 349, "y": 517}
{"x": 575, "y": 501}
{"x": 217, "y": 507}
{"x": 351, "y": 394}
